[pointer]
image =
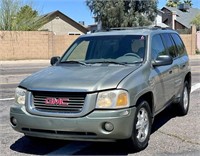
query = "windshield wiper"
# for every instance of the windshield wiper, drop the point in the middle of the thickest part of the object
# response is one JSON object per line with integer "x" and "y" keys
{"x": 109, "y": 62}
{"x": 74, "y": 62}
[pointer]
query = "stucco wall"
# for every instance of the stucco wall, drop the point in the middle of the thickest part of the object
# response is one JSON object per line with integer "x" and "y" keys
{"x": 60, "y": 27}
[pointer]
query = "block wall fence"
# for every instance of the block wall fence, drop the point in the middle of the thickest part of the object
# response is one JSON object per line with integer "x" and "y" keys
{"x": 21, "y": 45}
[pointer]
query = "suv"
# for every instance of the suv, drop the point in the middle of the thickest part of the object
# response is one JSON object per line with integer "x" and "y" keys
{"x": 107, "y": 86}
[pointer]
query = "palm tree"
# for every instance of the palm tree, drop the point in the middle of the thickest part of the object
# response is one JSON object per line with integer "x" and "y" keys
{"x": 189, "y": 2}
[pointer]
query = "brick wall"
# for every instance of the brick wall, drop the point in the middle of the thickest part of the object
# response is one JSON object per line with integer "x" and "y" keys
{"x": 61, "y": 43}
{"x": 186, "y": 39}
{"x": 190, "y": 41}
{"x": 198, "y": 40}
{"x": 32, "y": 45}
{"x": 20, "y": 45}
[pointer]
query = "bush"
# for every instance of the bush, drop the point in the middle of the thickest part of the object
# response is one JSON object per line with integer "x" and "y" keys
{"x": 197, "y": 51}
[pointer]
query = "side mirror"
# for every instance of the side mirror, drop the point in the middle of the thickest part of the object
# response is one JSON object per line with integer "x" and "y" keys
{"x": 54, "y": 60}
{"x": 162, "y": 60}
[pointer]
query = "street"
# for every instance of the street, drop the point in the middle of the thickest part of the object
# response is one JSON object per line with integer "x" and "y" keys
{"x": 171, "y": 134}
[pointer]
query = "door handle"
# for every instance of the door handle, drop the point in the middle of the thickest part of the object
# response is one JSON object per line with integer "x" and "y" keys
{"x": 170, "y": 72}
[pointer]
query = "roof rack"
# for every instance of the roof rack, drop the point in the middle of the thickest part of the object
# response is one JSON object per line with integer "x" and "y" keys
{"x": 135, "y": 28}
{"x": 163, "y": 28}
{"x": 129, "y": 28}
{"x": 143, "y": 27}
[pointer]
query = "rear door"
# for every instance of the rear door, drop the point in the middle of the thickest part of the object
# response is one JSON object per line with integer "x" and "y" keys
{"x": 174, "y": 69}
{"x": 182, "y": 62}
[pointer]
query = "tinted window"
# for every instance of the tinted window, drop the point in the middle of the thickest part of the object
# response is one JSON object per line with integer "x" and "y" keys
{"x": 169, "y": 44}
{"x": 179, "y": 44}
{"x": 157, "y": 47}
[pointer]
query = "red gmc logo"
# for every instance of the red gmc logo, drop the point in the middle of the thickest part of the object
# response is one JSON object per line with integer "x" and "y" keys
{"x": 56, "y": 101}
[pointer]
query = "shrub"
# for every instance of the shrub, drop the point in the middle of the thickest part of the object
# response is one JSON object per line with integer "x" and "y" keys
{"x": 197, "y": 51}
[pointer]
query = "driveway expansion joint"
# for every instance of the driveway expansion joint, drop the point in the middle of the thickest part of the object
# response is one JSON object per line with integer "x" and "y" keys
{"x": 179, "y": 138}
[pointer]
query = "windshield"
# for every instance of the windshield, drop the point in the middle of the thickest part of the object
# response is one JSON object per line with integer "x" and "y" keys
{"x": 122, "y": 49}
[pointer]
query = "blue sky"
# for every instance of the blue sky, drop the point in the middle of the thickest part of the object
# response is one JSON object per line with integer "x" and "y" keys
{"x": 77, "y": 9}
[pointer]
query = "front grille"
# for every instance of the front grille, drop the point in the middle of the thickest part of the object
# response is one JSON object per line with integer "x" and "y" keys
{"x": 58, "y": 102}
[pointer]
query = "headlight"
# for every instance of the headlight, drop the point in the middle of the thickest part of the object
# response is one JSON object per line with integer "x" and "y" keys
{"x": 113, "y": 99}
{"x": 20, "y": 95}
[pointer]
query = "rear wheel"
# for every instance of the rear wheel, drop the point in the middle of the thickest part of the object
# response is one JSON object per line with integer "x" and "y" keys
{"x": 183, "y": 105}
{"x": 141, "y": 127}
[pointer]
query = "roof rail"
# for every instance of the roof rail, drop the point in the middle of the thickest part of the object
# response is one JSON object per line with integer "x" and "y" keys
{"x": 163, "y": 28}
{"x": 135, "y": 28}
{"x": 143, "y": 27}
{"x": 129, "y": 28}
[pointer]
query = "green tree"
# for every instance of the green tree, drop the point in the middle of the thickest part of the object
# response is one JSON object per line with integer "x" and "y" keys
{"x": 123, "y": 13}
{"x": 188, "y": 2}
{"x": 173, "y": 3}
{"x": 16, "y": 16}
{"x": 8, "y": 11}
{"x": 26, "y": 19}
{"x": 196, "y": 21}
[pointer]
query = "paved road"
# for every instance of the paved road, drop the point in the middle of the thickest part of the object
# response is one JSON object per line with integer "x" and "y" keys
{"x": 171, "y": 135}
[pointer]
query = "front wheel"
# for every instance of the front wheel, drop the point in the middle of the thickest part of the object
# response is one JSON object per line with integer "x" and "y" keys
{"x": 141, "y": 127}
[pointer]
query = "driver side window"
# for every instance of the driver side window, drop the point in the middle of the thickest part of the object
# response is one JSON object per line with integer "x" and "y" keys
{"x": 157, "y": 47}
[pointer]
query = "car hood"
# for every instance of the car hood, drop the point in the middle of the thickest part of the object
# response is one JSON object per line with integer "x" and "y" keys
{"x": 77, "y": 78}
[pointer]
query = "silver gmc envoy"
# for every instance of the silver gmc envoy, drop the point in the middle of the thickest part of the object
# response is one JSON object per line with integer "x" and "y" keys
{"x": 108, "y": 86}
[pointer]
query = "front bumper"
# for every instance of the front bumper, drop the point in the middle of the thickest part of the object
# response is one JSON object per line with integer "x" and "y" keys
{"x": 90, "y": 127}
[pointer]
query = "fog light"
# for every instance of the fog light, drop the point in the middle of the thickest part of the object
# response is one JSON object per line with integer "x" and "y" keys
{"x": 13, "y": 121}
{"x": 108, "y": 126}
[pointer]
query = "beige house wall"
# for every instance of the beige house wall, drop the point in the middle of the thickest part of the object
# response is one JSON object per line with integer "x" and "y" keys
{"x": 60, "y": 27}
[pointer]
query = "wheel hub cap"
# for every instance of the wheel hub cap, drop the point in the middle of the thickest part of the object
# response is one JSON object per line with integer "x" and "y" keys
{"x": 185, "y": 98}
{"x": 142, "y": 125}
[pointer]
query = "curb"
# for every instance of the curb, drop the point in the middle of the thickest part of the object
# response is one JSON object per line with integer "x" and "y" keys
{"x": 12, "y": 79}
{"x": 194, "y": 56}
{"x": 26, "y": 62}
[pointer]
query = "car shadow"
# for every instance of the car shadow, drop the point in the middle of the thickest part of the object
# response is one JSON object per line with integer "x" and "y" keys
{"x": 45, "y": 146}
{"x": 38, "y": 146}
{"x": 118, "y": 148}
{"x": 162, "y": 118}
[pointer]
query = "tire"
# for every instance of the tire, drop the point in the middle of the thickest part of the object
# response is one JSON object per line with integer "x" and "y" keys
{"x": 183, "y": 105}
{"x": 141, "y": 127}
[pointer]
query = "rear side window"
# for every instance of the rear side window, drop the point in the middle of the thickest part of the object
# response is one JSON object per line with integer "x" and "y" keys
{"x": 169, "y": 44}
{"x": 157, "y": 47}
{"x": 179, "y": 44}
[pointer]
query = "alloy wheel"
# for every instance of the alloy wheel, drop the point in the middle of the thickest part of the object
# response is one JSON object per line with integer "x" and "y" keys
{"x": 142, "y": 125}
